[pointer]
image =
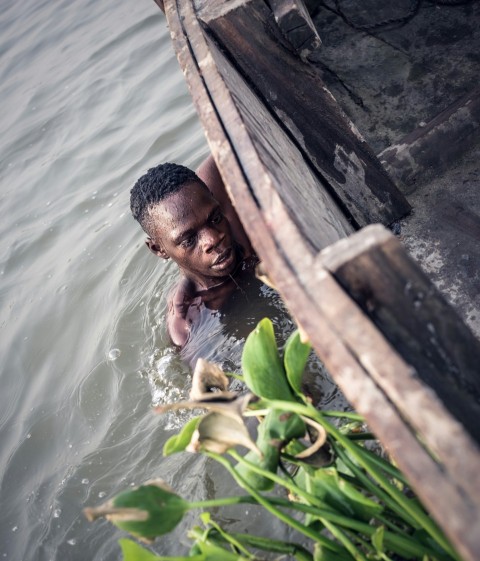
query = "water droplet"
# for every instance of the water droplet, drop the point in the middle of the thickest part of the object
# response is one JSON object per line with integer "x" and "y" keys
{"x": 102, "y": 494}
{"x": 73, "y": 541}
{"x": 113, "y": 354}
{"x": 57, "y": 512}
{"x": 85, "y": 481}
{"x": 15, "y": 528}
{"x": 29, "y": 435}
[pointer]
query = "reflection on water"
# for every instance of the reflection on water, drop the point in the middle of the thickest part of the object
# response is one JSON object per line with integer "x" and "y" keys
{"x": 92, "y": 97}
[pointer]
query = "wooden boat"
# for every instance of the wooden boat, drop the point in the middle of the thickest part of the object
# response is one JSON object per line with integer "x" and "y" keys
{"x": 315, "y": 201}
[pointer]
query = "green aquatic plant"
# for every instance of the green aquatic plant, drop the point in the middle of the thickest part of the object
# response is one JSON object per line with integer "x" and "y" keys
{"x": 349, "y": 502}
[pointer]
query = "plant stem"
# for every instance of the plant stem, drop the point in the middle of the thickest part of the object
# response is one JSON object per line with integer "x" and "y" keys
{"x": 329, "y": 544}
{"x": 361, "y": 436}
{"x": 225, "y": 501}
{"x": 386, "y": 466}
{"x": 399, "y": 544}
{"x": 344, "y": 415}
{"x": 266, "y": 544}
{"x": 398, "y": 502}
{"x": 412, "y": 510}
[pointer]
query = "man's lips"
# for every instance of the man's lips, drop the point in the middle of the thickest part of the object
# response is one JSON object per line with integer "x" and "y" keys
{"x": 224, "y": 259}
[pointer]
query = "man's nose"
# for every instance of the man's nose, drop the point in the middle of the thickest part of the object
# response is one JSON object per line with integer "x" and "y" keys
{"x": 211, "y": 239}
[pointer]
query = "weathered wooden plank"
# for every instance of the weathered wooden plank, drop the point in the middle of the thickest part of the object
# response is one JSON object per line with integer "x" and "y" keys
{"x": 421, "y": 407}
{"x": 295, "y": 23}
{"x": 327, "y": 138}
{"x": 399, "y": 409}
{"x": 431, "y": 148}
{"x": 403, "y": 303}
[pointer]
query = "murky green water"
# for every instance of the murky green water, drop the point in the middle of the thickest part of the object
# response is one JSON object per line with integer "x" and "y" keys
{"x": 92, "y": 96}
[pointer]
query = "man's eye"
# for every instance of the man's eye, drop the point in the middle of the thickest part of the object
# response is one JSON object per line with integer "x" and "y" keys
{"x": 217, "y": 218}
{"x": 188, "y": 242}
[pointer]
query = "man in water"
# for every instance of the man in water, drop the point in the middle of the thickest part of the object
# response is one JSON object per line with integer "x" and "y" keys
{"x": 197, "y": 227}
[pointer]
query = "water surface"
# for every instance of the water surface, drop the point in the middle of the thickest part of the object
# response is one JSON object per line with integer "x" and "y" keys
{"x": 92, "y": 97}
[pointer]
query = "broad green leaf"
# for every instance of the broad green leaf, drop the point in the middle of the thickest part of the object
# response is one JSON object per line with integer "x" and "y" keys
{"x": 295, "y": 359}
{"x": 342, "y": 495}
{"x": 263, "y": 370}
{"x": 146, "y": 512}
{"x": 179, "y": 442}
{"x": 132, "y": 551}
{"x": 377, "y": 539}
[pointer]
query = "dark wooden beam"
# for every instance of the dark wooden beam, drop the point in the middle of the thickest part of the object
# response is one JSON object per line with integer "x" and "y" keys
{"x": 294, "y": 92}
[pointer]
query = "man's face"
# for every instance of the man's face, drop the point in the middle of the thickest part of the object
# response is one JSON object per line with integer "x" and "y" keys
{"x": 189, "y": 227}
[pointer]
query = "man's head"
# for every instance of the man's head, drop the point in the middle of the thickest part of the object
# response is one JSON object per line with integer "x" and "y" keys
{"x": 184, "y": 222}
{"x": 157, "y": 184}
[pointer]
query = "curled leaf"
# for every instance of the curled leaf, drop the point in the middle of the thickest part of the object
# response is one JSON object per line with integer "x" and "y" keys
{"x": 179, "y": 442}
{"x": 218, "y": 433}
{"x": 148, "y": 511}
{"x": 321, "y": 438}
{"x": 208, "y": 376}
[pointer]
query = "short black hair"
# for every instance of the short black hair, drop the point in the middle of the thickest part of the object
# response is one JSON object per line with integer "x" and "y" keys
{"x": 159, "y": 182}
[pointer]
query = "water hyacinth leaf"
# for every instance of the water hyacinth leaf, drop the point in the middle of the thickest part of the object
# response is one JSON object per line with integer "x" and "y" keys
{"x": 218, "y": 433}
{"x": 148, "y": 511}
{"x": 295, "y": 359}
{"x": 282, "y": 427}
{"x": 274, "y": 432}
{"x": 263, "y": 370}
{"x": 179, "y": 442}
{"x": 342, "y": 495}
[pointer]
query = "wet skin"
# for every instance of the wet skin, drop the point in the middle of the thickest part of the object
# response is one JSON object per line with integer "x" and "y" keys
{"x": 189, "y": 227}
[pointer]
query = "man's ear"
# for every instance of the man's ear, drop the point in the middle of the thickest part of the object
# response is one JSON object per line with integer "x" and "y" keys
{"x": 158, "y": 250}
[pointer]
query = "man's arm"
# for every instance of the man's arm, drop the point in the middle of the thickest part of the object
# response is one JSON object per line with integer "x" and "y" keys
{"x": 209, "y": 174}
{"x": 179, "y": 318}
